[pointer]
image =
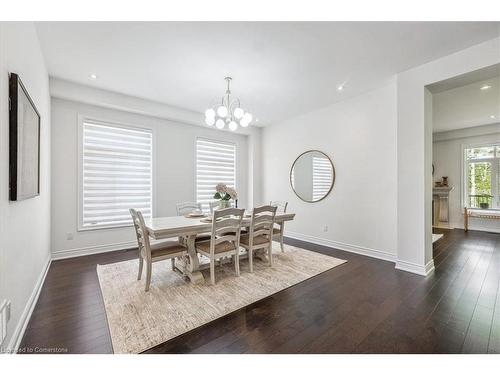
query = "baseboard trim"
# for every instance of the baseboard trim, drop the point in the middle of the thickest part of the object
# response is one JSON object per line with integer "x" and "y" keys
{"x": 89, "y": 250}
{"x": 475, "y": 226}
{"x": 415, "y": 268}
{"x": 18, "y": 334}
{"x": 374, "y": 253}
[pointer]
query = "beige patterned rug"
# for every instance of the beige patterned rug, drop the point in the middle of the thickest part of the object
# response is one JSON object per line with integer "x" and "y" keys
{"x": 139, "y": 320}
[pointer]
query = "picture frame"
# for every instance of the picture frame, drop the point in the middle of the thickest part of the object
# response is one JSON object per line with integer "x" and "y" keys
{"x": 24, "y": 142}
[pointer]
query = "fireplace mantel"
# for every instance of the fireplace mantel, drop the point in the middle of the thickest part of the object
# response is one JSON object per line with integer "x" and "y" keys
{"x": 442, "y": 190}
{"x": 440, "y": 198}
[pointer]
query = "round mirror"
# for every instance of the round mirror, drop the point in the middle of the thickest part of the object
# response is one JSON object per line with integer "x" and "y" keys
{"x": 312, "y": 176}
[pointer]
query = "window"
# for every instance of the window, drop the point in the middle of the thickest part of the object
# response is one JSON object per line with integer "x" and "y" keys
{"x": 322, "y": 177}
{"x": 482, "y": 165}
{"x": 215, "y": 163}
{"x": 115, "y": 174}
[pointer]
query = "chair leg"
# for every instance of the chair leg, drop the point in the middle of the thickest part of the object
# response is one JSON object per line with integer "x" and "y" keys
{"x": 212, "y": 271}
{"x": 237, "y": 263}
{"x": 270, "y": 254}
{"x": 250, "y": 259}
{"x": 141, "y": 263}
{"x": 173, "y": 264}
{"x": 281, "y": 243}
{"x": 148, "y": 274}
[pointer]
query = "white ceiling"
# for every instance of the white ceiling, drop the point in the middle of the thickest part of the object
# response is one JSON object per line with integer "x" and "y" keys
{"x": 466, "y": 106}
{"x": 279, "y": 69}
{"x": 468, "y": 78}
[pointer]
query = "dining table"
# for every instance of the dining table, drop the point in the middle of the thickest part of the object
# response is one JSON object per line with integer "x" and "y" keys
{"x": 186, "y": 229}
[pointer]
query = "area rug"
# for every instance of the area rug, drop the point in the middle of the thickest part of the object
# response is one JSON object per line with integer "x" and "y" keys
{"x": 436, "y": 237}
{"x": 139, "y": 320}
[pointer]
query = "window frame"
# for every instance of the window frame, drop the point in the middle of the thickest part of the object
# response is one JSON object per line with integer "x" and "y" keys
{"x": 236, "y": 159}
{"x": 495, "y": 174}
{"x": 108, "y": 122}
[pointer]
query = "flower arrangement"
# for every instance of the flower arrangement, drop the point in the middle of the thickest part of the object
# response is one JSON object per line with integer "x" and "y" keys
{"x": 225, "y": 193}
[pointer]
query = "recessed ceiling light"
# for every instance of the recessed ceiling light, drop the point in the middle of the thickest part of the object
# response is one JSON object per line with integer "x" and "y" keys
{"x": 256, "y": 120}
{"x": 492, "y": 116}
{"x": 485, "y": 87}
{"x": 93, "y": 76}
{"x": 340, "y": 88}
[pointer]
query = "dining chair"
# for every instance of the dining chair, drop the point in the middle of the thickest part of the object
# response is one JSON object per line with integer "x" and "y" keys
{"x": 151, "y": 253}
{"x": 279, "y": 228}
{"x": 260, "y": 234}
{"x": 225, "y": 239}
{"x": 185, "y": 208}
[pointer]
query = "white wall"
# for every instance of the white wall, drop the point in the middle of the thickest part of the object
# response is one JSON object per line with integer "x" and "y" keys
{"x": 414, "y": 139}
{"x": 448, "y": 161}
{"x": 63, "y": 89}
{"x": 174, "y": 172}
{"x": 359, "y": 135}
{"x": 24, "y": 225}
{"x": 255, "y": 167}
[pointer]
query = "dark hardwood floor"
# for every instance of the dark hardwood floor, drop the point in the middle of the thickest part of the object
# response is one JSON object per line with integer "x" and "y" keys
{"x": 363, "y": 306}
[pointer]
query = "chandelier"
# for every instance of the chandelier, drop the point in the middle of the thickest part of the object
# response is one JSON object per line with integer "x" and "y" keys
{"x": 228, "y": 112}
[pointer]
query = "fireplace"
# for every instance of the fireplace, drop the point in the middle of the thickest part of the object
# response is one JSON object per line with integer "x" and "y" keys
{"x": 441, "y": 206}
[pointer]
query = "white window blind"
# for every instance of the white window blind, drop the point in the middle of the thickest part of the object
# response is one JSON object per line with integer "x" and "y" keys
{"x": 322, "y": 177}
{"x": 116, "y": 174}
{"x": 215, "y": 163}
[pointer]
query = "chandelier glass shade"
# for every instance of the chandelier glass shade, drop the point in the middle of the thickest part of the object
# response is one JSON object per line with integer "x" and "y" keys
{"x": 228, "y": 112}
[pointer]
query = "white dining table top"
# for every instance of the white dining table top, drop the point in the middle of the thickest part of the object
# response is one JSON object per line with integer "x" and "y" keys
{"x": 171, "y": 226}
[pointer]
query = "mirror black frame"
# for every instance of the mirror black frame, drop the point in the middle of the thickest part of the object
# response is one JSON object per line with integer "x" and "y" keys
{"x": 333, "y": 179}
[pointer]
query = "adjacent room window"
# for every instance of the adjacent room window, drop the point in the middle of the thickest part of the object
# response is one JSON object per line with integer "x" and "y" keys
{"x": 322, "y": 177}
{"x": 215, "y": 163}
{"x": 482, "y": 180}
{"x": 115, "y": 174}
